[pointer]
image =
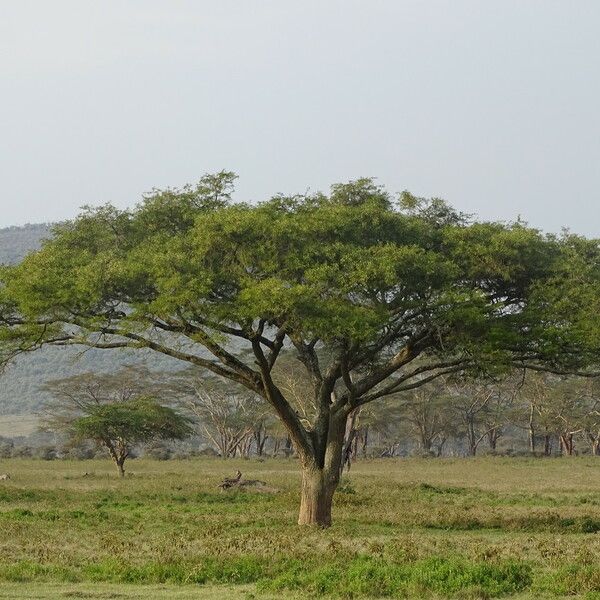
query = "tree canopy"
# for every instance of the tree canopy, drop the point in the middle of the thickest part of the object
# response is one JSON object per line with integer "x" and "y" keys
{"x": 374, "y": 294}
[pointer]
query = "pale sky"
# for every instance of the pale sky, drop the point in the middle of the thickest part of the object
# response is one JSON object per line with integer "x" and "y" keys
{"x": 493, "y": 105}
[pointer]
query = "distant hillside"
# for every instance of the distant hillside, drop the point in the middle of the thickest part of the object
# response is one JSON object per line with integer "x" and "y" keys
{"x": 16, "y": 242}
{"x": 19, "y": 384}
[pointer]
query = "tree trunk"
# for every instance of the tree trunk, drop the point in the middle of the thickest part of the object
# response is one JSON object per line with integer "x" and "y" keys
{"x": 493, "y": 439}
{"x": 425, "y": 442}
{"x": 531, "y": 430}
{"x": 566, "y": 444}
{"x": 547, "y": 445}
{"x": 471, "y": 436}
{"x": 318, "y": 487}
{"x": 118, "y": 454}
{"x": 321, "y": 472}
{"x": 349, "y": 437}
{"x": 275, "y": 446}
{"x": 440, "y": 447}
{"x": 261, "y": 439}
{"x": 532, "y": 441}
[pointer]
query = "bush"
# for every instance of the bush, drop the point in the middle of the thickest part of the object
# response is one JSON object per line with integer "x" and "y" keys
{"x": 6, "y": 448}
{"x": 45, "y": 453}
{"x": 22, "y": 452}
{"x": 158, "y": 451}
{"x": 78, "y": 453}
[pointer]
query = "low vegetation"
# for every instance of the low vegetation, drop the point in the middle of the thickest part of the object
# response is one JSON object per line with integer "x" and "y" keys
{"x": 411, "y": 528}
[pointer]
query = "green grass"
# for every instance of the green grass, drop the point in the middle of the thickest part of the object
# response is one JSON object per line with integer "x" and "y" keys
{"x": 416, "y": 528}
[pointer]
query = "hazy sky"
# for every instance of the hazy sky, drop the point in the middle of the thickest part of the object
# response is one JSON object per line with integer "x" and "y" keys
{"x": 492, "y": 105}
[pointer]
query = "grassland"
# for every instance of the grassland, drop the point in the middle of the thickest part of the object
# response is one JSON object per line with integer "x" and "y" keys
{"x": 415, "y": 528}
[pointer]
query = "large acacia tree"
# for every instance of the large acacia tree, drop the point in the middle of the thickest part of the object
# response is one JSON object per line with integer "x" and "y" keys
{"x": 375, "y": 295}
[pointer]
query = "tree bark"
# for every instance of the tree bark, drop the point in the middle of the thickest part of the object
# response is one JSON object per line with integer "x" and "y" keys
{"x": 493, "y": 439}
{"x": 547, "y": 445}
{"x": 566, "y": 444}
{"x": 349, "y": 441}
{"x": 118, "y": 454}
{"x": 318, "y": 487}
{"x": 471, "y": 437}
{"x": 532, "y": 441}
{"x": 531, "y": 430}
{"x": 425, "y": 442}
{"x": 321, "y": 472}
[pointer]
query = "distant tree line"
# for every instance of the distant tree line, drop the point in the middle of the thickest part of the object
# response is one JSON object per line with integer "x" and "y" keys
{"x": 94, "y": 415}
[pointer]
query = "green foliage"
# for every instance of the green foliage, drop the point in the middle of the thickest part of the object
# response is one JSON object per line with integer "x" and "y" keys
{"x": 136, "y": 421}
{"x": 337, "y": 267}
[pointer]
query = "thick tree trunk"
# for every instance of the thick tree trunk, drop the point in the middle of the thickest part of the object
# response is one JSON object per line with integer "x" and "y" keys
{"x": 321, "y": 473}
{"x": 318, "y": 487}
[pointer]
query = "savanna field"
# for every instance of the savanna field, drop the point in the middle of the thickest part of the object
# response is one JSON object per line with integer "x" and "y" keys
{"x": 406, "y": 528}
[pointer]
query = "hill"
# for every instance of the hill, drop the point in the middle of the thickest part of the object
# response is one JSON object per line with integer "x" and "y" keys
{"x": 16, "y": 242}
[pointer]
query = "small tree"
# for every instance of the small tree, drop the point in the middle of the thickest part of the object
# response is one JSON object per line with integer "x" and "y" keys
{"x": 115, "y": 411}
{"x": 120, "y": 427}
{"x": 484, "y": 407}
{"x": 229, "y": 420}
{"x": 429, "y": 418}
{"x": 536, "y": 396}
{"x": 384, "y": 421}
